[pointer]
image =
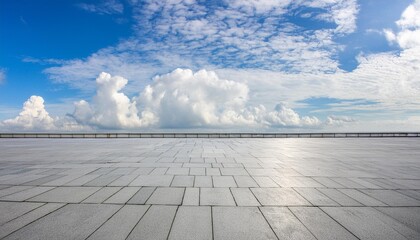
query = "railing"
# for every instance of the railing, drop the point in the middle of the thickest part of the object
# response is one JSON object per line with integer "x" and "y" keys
{"x": 210, "y": 135}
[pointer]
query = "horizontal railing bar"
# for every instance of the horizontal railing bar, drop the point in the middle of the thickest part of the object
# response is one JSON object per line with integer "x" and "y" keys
{"x": 213, "y": 135}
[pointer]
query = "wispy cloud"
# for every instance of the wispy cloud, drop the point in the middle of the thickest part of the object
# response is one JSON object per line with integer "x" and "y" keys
{"x": 2, "y": 75}
{"x": 103, "y": 7}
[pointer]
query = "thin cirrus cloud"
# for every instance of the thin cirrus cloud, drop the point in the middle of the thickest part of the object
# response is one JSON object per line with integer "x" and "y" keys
{"x": 104, "y": 7}
{"x": 2, "y": 75}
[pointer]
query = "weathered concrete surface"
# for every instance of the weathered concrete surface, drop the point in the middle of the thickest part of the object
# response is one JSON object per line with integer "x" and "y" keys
{"x": 210, "y": 188}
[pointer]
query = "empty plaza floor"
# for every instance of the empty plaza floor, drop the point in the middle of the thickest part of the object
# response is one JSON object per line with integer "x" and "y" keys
{"x": 347, "y": 188}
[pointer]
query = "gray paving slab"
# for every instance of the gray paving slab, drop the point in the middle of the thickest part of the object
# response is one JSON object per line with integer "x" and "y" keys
{"x": 339, "y": 197}
{"x": 365, "y": 183}
{"x": 234, "y": 171}
{"x": 362, "y": 198}
{"x": 391, "y": 197}
{"x": 198, "y": 171}
{"x": 410, "y": 216}
{"x": 265, "y": 182}
{"x": 152, "y": 181}
{"x": 123, "y": 180}
{"x": 283, "y": 174}
{"x": 65, "y": 194}
{"x": 11, "y": 210}
{"x": 101, "y": 195}
{"x": 13, "y": 189}
{"x": 120, "y": 224}
{"x": 245, "y": 181}
{"x": 43, "y": 180}
{"x": 159, "y": 171}
{"x": 285, "y": 224}
{"x": 168, "y": 196}
{"x": 296, "y": 182}
{"x": 279, "y": 197}
{"x": 327, "y": 182}
{"x": 74, "y": 221}
{"x": 347, "y": 183}
{"x": 123, "y": 195}
{"x": 27, "y": 218}
{"x": 61, "y": 181}
{"x": 316, "y": 197}
{"x": 191, "y": 197}
{"x": 178, "y": 171}
{"x": 410, "y": 193}
{"x": 155, "y": 224}
{"x": 192, "y": 222}
{"x": 320, "y": 224}
{"x": 203, "y": 181}
{"x": 244, "y": 197}
{"x": 26, "y": 194}
{"x": 368, "y": 223}
{"x": 102, "y": 180}
{"x": 142, "y": 195}
{"x": 212, "y": 171}
{"x": 216, "y": 197}
{"x": 142, "y": 171}
{"x": 224, "y": 181}
{"x": 240, "y": 223}
{"x": 183, "y": 181}
{"x": 4, "y": 186}
{"x": 81, "y": 180}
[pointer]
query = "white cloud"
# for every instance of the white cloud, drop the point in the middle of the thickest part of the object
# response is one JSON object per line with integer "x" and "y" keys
{"x": 103, "y": 7}
{"x": 408, "y": 35}
{"x": 389, "y": 79}
{"x": 32, "y": 116}
{"x": 338, "y": 120}
{"x": 246, "y": 33}
{"x": 2, "y": 75}
{"x": 186, "y": 99}
{"x": 240, "y": 34}
{"x": 341, "y": 12}
{"x": 410, "y": 18}
{"x": 80, "y": 73}
{"x": 283, "y": 116}
{"x": 179, "y": 99}
{"x": 111, "y": 108}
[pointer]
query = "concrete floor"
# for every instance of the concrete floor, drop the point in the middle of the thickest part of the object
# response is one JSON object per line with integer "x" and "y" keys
{"x": 210, "y": 188}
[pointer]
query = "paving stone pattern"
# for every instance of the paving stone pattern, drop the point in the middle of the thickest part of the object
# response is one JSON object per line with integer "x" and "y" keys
{"x": 210, "y": 188}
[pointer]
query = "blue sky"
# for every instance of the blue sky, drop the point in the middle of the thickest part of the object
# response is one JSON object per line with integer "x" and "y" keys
{"x": 264, "y": 65}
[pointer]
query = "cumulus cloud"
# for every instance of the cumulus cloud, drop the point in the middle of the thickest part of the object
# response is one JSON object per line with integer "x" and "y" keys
{"x": 179, "y": 99}
{"x": 110, "y": 107}
{"x": 283, "y": 116}
{"x": 408, "y": 35}
{"x": 183, "y": 98}
{"x": 34, "y": 117}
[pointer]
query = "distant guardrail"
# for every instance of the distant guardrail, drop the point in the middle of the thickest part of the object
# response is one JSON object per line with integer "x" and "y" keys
{"x": 210, "y": 135}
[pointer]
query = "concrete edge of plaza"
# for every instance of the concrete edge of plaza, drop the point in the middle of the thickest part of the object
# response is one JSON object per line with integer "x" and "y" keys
{"x": 211, "y": 135}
